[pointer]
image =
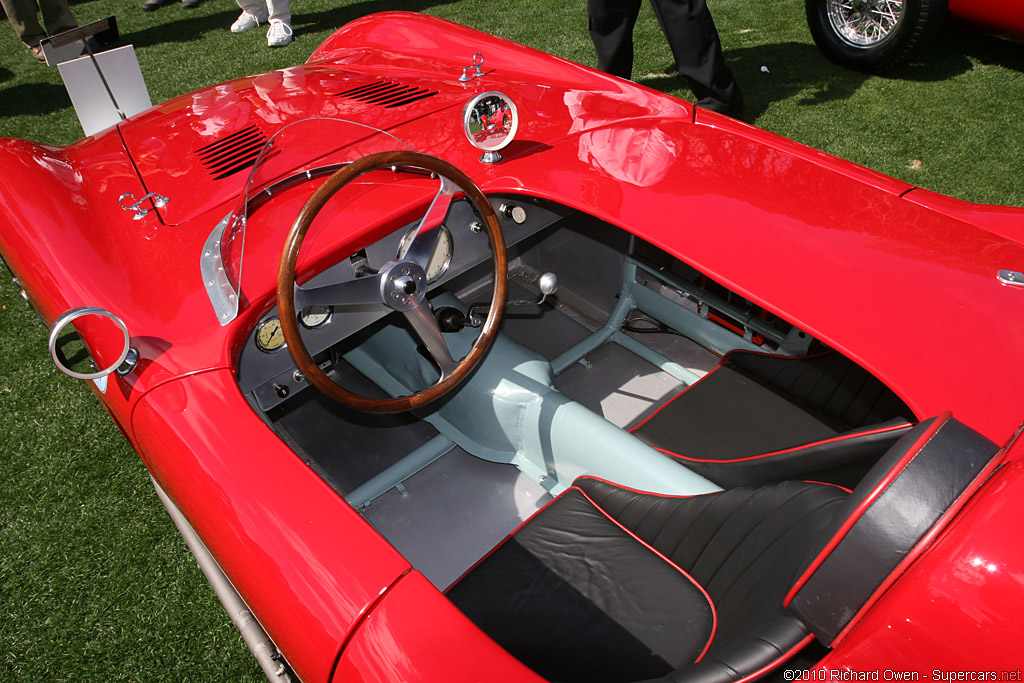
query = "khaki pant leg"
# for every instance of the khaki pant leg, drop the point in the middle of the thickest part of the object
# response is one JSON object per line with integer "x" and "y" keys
{"x": 22, "y": 15}
{"x": 57, "y": 16}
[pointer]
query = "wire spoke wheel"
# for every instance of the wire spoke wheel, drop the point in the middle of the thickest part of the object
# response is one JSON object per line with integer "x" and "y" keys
{"x": 874, "y": 35}
{"x": 863, "y": 23}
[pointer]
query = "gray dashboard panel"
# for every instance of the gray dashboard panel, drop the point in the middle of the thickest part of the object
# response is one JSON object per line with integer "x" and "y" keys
{"x": 263, "y": 374}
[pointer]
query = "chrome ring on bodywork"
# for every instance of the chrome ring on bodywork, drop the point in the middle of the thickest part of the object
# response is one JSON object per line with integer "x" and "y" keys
{"x": 69, "y": 317}
{"x": 865, "y": 23}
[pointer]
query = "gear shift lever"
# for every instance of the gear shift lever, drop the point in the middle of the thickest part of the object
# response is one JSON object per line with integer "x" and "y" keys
{"x": 451, "y": 319}
{"x": 548, "y": 283}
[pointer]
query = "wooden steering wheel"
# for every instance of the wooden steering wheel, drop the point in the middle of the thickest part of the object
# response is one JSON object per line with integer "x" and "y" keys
{"x": 401, "y": 284}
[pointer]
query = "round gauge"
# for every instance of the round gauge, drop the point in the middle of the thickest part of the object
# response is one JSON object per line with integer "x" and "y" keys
{"x": 315, "y": 316}
{"x": 269, "y": 336}
{"x": 441, "y": 257}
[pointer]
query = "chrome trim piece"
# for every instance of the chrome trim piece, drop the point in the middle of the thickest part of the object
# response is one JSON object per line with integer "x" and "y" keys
{"x": 476, "y": 117}
{"x": 478, "y": 61}
{"x": 99, "y": 378}
{"x": 1011, "y": 277}
{"x": 159, "y": 201}
{"x": 267, "y": 655}
{"x": 215, "y": 278}
{"x": 128, "y": 365}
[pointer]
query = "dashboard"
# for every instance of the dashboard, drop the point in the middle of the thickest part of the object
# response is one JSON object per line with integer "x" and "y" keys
{"x": 267, "y": 374}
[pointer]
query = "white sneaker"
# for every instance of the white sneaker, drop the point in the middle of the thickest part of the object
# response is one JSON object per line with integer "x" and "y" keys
{"x": 279, "y": 35}
{"x": 246, "y": 21}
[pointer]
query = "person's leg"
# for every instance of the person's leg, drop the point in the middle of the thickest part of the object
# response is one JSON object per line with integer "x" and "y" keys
{"x": 694, "y": 41}
{"x": 611, "y": 28}
{"x": 22, "y": 15}
{"x": 280, "y": 32}
{"x": 57, "y": 16}
{"x": 280, "y": 16}
{"x": 280, "y": 10}
{"x": 254, "y": 13}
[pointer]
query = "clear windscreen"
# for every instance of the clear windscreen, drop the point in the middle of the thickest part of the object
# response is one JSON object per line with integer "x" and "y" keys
{"x": 297, "y": 153}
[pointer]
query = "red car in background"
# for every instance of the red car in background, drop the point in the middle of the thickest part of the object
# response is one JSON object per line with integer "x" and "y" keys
{"x": 875, "y": 35}
{"x": 456, "y": 361}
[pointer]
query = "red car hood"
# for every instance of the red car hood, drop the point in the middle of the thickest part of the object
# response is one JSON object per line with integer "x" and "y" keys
{"x": 197, "y": 149}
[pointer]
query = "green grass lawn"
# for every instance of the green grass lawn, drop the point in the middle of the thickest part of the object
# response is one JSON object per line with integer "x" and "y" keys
{"x": 94, "y": 581}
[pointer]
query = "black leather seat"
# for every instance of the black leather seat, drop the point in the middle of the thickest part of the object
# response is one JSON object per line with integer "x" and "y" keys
{"x": 610, "y": 584}
{"x": 759, "y": 417}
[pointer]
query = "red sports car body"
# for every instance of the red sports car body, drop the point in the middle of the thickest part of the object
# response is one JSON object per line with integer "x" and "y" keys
{"x": 753, "y": 245}
{"x": 989, "y": 16}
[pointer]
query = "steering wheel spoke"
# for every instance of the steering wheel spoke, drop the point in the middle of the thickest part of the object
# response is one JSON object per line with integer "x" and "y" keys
{"x": 361, "y": 290}
{"x": 427, "y": 232}
{"x": 400, "y": 285}
{"x": 423, "y": 323}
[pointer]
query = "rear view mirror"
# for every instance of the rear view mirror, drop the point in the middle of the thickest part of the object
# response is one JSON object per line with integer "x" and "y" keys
{"x": 89, "y": 343}
{"x": 490, "y": 121}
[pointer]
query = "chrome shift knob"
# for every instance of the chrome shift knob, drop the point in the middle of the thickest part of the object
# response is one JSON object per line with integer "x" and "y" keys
{"x": 548, "y": 284}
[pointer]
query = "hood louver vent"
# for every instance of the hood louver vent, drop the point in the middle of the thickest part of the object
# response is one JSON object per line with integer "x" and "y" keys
{"x": 234, "y": 153}
{"x": 386, "y": 94}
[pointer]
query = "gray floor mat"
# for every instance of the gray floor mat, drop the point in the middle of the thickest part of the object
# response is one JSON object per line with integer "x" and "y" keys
{"x": 347, "y": 447}
{"x": 618, "y": 385}
{"x": 450, "y": 514}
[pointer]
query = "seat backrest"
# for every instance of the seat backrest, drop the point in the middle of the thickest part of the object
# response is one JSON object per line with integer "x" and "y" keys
{"x": 829, "y": 383}
{"x": 888, "y": 521}
{"x": 744, "y": 546}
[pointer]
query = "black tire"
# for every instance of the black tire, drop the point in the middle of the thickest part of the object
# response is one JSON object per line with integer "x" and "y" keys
{"x": 907, "y": 28}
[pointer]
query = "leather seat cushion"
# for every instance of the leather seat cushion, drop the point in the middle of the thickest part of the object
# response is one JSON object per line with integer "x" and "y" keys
{"x": 608, "y": 584}
{"x": 728, "y": 415}
{"x": 578, "y": 598}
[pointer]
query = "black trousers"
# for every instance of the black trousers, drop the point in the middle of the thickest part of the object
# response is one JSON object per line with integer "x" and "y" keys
{"x": 691, "y": 35}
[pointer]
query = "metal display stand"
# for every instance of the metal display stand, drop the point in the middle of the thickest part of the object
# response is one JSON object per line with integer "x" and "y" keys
{"x": 105, "y": 86}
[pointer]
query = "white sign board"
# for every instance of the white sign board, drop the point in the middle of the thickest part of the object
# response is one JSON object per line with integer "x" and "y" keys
{"x": 92, "y": 101}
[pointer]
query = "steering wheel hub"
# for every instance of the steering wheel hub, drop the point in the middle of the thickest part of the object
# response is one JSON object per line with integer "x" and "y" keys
{"x": 403, "y": 285}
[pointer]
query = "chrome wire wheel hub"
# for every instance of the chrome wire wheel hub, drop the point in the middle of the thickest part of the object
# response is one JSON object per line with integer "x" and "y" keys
{"x": 865, "y": 23}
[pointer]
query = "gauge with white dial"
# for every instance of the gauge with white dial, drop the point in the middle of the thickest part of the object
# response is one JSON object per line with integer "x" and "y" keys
{"x": 315, "y": 316}
{"x": 269, "y": 336}
{"x": 441, "y": 257}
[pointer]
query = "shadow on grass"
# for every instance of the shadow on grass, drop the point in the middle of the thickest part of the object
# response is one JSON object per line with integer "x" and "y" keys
{"x": 985, "y": 49}
{"x": 328, "y": 20}
{"x": 769, "y": 73}
{"x": 5, "y": 75}
{"x": 33, "y": 99}
{"x": 184, "y": 30}
{"x": 192, "y": 28}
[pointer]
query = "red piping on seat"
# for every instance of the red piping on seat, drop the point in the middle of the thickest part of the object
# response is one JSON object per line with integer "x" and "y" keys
{"x": 868, "y": 501}
{"x": 640, "y": 491}
{"x": 828, "y": 483}
{"x": 505, "y": 540}
{"x": 835, "y": 439}
{"x": 669, "y": 402}
{"x": 722, "y": 361}
{"x": 711, "y": 603}
{"x": 819, "y": 354}
{"x": 552, "y": 502}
